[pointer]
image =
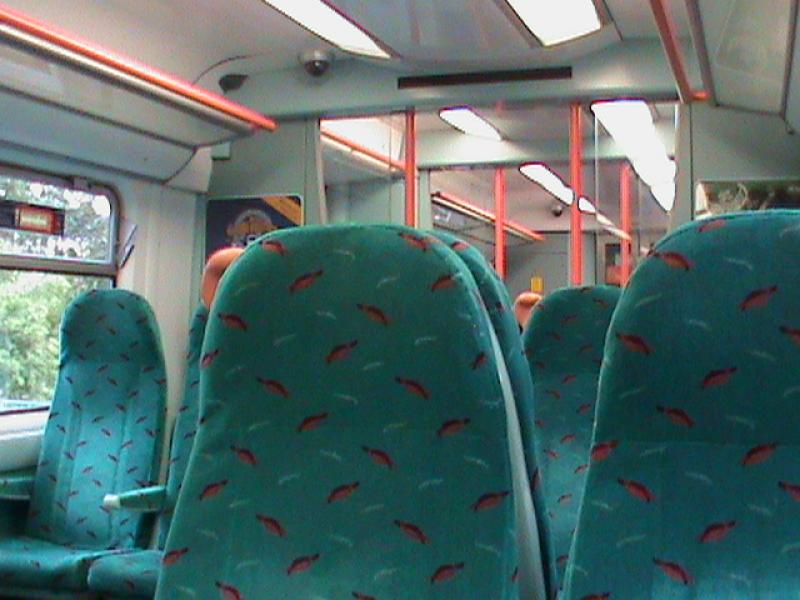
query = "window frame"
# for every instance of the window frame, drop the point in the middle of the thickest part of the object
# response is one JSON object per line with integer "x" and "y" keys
{"x": 23, "y": 419}
{"x": 66, "y": 266}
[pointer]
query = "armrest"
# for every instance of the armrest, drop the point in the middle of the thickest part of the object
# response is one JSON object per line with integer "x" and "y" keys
{"x": 149, "y": 499}
{"x": 16, "y": 485}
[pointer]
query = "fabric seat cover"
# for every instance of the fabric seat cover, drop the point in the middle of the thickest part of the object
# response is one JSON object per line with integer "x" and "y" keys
{"x": 132, "y": 574}
{"x": 136, "y": 574}
{"x": 353, "y": 432}
{"x": 498, "y": 305}
{"x": 564, "y": 345}
{"x": 31, "y": 563}
{"x": 693, "y": 491}
{"x": 103, "y": 436}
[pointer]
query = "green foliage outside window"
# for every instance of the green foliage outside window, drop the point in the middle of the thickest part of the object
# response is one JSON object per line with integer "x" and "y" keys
{"x": 33, "y": 302}
{"x": 31, "y": 306}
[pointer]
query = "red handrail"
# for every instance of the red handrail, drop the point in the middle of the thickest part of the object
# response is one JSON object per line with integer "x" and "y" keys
{"x": 469, "y": 207}
{"x": 500, "y": 197}
{"x": 576, "y": 181}
{"x": 411, "y": 169}
{"x": 133, "y": 69}
{"x": 672, "y": 49}
{"x": 361, "y": 149}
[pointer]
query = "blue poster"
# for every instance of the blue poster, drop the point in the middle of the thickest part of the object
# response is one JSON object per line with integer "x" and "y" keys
{"x": 239, "y": 221}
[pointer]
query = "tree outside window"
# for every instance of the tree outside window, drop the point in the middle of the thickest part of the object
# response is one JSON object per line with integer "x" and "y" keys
{"x": 32, "y": 302}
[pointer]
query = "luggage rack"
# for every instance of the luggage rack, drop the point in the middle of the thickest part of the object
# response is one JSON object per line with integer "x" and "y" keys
{"x": 90, "y": 91}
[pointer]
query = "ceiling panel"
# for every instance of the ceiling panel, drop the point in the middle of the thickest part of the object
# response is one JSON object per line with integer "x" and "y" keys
{"x": 518, "y": 122}
{"x": 182, "y": 37}
{"x": 189, "y": 37}
{"x": 461, "y": 33}
{"x": 748, "y": 49}
{"x": 65, "y": 134}
{"x": 28, "y": 73}
{"x": 634, "y": 18}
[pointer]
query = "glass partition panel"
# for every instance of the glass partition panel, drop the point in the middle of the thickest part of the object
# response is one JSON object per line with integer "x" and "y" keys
{"x": 634, "y": 162}
{"x": 530, "y": 144}
{"x": 363, "y": 168}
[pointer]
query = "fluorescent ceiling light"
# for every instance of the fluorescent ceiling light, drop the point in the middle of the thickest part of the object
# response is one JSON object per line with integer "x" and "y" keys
{"x": 664, "y": 194}
{"x": 468, "y": 121}
{"x": 630, "y": 123}
{"x": 610, "y": 227}
{"x": 604, "y": 220}
{"x": 557, "y": 21}
{"x": 467, "y": 208}
{"x": 617, "y": 232}
{"x": 331, "y": 25}
{"x": 541, "y": 174}
{"x": 585, "y": 206}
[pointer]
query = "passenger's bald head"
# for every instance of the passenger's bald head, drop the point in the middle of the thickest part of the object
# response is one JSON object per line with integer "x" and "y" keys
{"x": 215, "y": 267}
{"x": 523, "y": 306}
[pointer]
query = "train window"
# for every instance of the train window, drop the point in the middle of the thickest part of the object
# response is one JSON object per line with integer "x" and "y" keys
{"x": 57, "y": 240}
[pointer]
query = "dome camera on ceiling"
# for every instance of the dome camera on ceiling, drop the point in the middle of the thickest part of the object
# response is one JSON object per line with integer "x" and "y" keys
{"x": 316, "y": 62}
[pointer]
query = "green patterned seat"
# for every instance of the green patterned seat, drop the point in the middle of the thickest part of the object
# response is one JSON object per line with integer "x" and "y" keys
{"x": 498, "y": 304}
{"x": 694, "y": 487}
{"x": 129, "y": 575}
{"x": 103, "y": 435}
{"x": 135, "y": 574}
{"x": 564, "y": 345}
{"x": 353, "y": 434}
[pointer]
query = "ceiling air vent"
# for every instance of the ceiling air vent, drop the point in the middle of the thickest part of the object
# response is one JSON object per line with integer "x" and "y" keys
{"x": 484, "y": 77}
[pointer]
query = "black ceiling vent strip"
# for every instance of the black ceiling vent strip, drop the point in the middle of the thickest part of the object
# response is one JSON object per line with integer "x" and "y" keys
{"x": 484, "y": 77}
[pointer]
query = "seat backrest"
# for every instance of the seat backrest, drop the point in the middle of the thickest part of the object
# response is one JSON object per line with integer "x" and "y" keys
{"x": 498, "y": 306}
{"x": 353, "y": 432}
{"x": 564, "y": 344}
{"x": 693, "y": 489}
{"x": 185, "y": 428}
{"x": 104, "y": 432}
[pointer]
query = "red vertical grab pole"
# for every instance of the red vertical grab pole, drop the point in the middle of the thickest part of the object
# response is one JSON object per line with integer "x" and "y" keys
{"x": 576, "y": 179}
{"x": 500, "y": 190}
{"x": 411, "y": 171}
{"x": 625, "y": 197}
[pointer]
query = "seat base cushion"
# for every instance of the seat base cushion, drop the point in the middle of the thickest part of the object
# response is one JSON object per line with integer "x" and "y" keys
{"x": 134, "y": 574}
{"x": 31, "y": 563}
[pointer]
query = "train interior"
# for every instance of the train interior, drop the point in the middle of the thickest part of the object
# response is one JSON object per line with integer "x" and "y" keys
{"x": 452, "y": 299}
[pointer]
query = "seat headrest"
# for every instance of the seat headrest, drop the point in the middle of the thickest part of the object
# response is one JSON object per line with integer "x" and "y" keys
{"x": 568, "y": 329}
{"x": 705, "y": 342}
{"x": 111, "y": 326}
{"x": 352, "y": 420}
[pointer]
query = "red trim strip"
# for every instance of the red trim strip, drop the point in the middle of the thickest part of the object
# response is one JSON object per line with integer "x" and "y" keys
{"x": 356, "y": 147}
{"x": 469, "y": 207}
{"x": 500, "y": 190}
{"x": 672, "y": 49}
{"x": 576, "y": 181}
{"x": 411, "y": 170}
{"x": 134, "y": 69}
{"x": 625, "y": 173}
